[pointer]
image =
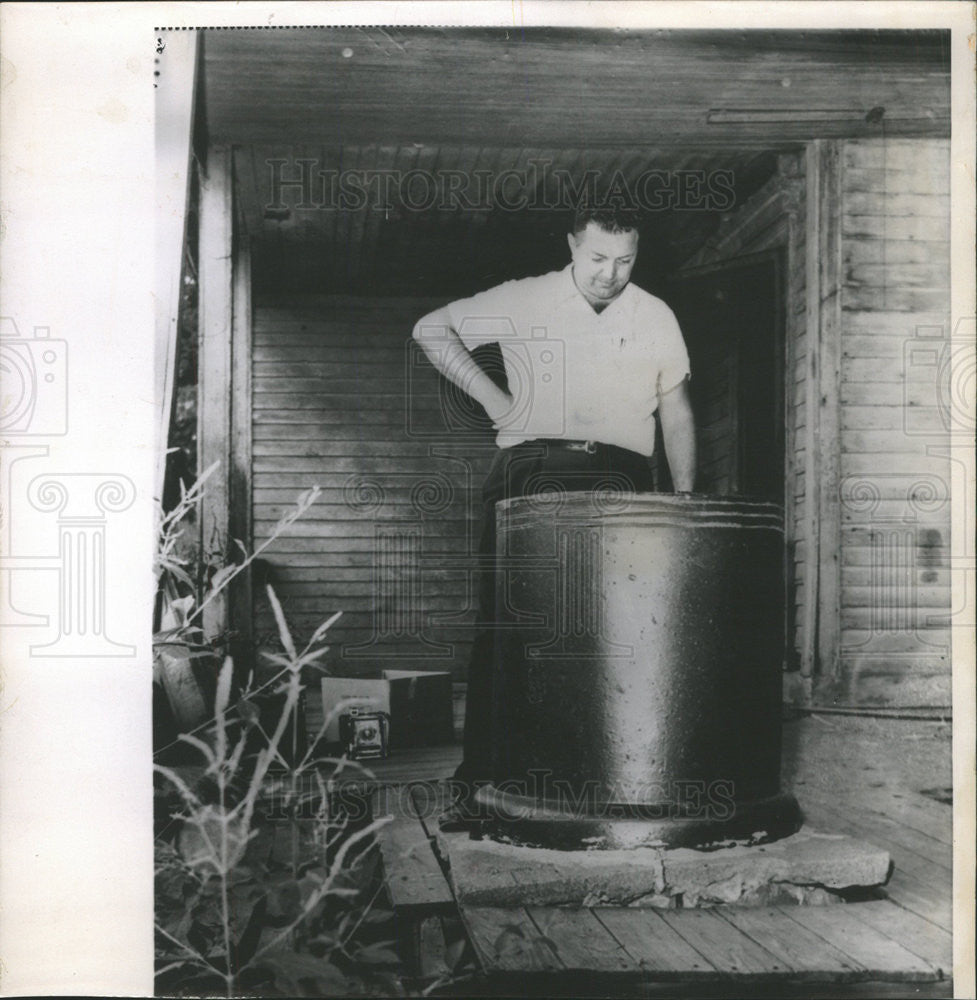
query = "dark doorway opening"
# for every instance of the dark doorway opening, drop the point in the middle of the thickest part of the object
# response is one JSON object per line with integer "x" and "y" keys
{"x": 732, "y": 317}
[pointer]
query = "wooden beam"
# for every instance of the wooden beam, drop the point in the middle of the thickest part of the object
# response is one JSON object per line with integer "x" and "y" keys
{"x": 812, "y": 529}
{"x": 795, "y": 688}
{"x": 176, "y": 89}
{"x": 216, "y": 314}
{"x": 822, "y": 602}
{"x": 714, "y": 89}
{"x": 239, "y": 499}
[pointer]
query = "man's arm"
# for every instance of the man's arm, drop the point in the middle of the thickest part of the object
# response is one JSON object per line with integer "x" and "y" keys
{"x": 440, "y": 342}
{"x": 678, "y": 432}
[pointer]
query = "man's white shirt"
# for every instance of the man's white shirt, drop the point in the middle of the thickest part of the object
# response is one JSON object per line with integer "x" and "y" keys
{"x": 575, "y": 373}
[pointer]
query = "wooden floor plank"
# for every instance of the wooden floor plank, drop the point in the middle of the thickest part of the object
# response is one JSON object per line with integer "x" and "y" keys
{"x": 828, "y": 817}
{"x": 933, "y": 944}
{"x": 432, "y": 956}
{"x": 429, "y": 764}
{"x": 903, "y": 858}
{"x": 924, "y": 815}
{"x": 726, "y": 947}
{"x": 581, "y": 941}
{"x": 414, "y": 877}
{"x": 934, "y": 895}
{"x": 920, "y": 897}
{"x": 507, "y": 940}
{"x": 652, "y": 943}
{"x": 428, "y": 800}
{"x": 795, "y": 947}
{"x": 875, "y": 952}
{"x": 878, "y": 825}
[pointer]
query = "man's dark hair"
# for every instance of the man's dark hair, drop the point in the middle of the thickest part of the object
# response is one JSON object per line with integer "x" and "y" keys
{"x": 610, "y": 218}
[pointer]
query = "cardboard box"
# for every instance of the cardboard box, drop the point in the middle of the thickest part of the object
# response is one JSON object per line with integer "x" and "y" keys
{"x": 418, "y": 702}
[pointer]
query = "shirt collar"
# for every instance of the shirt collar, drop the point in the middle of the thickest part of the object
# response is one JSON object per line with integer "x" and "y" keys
{"x": 568, "y": 287}
{"x": 570, "y": 291}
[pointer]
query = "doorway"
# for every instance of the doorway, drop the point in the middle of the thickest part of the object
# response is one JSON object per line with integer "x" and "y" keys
{"x": 732, "y": 318}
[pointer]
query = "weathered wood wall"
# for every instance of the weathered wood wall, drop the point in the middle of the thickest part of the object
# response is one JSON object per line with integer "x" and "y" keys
{"x": 887, "y": 507}
{"x": 342, "y": 399}
{"x": 895, "y": 510}
{"x": 339, "y": 401}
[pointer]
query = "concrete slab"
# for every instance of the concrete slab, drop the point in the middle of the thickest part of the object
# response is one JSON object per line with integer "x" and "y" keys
{"x": 809, "y": 867}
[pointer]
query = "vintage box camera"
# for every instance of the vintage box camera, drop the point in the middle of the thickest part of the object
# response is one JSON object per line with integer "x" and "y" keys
{"x": 364, "y": 734}
{"x": 417, "y": 703}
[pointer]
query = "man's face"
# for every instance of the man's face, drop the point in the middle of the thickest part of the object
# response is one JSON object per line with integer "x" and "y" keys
{"x": 602, "y": 261}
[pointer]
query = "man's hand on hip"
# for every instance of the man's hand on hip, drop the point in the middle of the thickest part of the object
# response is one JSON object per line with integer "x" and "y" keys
{"x": 445, "y": 350}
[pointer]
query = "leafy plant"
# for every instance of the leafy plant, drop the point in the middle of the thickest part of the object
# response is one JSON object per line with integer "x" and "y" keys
{"x": 243, "y": 902}
{"x": 246, "y": 902}
{"x": 177, "y": 576}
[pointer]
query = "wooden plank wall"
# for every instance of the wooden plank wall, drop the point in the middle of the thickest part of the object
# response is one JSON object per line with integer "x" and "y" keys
{"x": 342, "y": 399}
{"x": 895, "y": 511}
{"x": 893, "y": 508}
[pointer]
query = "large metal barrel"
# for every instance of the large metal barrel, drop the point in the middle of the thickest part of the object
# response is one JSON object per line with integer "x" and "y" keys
{"x": 637, "y": 689}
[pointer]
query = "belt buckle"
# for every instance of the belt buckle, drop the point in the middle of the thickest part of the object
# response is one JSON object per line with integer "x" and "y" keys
{"x": 590, "y": 447}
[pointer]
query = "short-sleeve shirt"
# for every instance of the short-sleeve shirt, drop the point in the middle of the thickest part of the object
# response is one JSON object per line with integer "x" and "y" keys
{"x": 575, "y": 373}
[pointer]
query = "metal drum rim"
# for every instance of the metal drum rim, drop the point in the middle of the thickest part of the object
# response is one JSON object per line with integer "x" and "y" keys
{"x": 683, "y": 501}
{"x": 761, "y": 820}
{"x": 625, "y": 509}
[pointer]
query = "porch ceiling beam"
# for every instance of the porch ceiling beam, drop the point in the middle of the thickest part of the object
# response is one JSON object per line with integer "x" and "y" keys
{"x": 547, "y": 87}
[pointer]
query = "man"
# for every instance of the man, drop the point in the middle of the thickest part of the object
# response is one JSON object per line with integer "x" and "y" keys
{"x": 589, "y": 360}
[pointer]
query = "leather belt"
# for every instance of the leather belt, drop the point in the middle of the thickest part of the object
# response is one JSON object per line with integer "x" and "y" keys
{"x": 567, "y": 444}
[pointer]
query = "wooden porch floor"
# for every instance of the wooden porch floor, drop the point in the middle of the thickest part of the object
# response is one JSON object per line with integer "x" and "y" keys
{"x": 861, "y": 777}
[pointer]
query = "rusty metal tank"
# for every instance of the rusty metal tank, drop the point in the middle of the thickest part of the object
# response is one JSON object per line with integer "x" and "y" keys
{"x": 637, "y": 690}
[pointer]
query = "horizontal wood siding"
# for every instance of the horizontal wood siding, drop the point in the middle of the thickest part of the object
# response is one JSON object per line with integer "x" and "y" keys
{"x": 894, "y": 504}
{"x": 895, "y": 509}
{"x": 343, "y": 400}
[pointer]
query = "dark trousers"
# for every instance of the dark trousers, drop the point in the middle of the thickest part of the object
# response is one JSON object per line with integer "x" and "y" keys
{"x": 532, "y": 467}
